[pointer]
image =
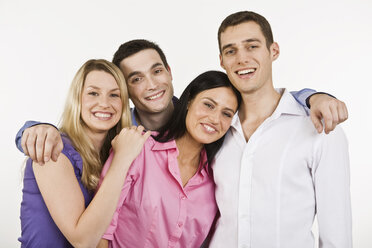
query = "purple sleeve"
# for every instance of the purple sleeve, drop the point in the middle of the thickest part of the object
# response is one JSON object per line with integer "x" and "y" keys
{"x": 25, "y": 126}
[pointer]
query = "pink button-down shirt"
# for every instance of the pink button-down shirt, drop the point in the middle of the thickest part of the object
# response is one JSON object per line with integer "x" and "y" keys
{"x": 154, "y": 210}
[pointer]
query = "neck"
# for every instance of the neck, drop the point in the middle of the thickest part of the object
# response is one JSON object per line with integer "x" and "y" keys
{"x": 189, "y": 157}
{"x": 189, "y": 149}
{"x": 154, "y": 121}
{"x": 97, "y": 139}
{"x": 256, "y": 107}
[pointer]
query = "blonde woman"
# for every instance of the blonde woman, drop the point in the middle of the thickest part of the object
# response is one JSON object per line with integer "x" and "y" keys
{"x": 58, "y": 208}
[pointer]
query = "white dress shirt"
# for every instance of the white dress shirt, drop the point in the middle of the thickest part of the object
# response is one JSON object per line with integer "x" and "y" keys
{"x": 270, "y": 188}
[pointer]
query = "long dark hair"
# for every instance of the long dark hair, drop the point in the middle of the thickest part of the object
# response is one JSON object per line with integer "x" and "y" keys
{"x": 176, "y": 126}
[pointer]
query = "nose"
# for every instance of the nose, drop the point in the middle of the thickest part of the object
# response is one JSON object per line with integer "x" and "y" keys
{"x": 151, "y": 83}
{"x": 214, "y": 117}
{"x": 242, "y": 57}
{"x": 104, "y": 101}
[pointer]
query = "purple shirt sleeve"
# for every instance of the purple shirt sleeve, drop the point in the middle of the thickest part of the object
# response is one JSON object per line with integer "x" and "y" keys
{"x": 25, "y": 126}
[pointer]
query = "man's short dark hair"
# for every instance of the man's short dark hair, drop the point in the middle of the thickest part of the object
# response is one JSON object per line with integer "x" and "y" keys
{"x": 134, "y": 46}
{"x": 247, "y": 16}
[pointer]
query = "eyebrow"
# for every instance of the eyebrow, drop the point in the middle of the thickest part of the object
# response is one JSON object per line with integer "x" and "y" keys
{"x": 138, "y": 72}
{"x": 98, "y": 88}
{"x": 245, "y": 41}
{"x": 216, "y": 103}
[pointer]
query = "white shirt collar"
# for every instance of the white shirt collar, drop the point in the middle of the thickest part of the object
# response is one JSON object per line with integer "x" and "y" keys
{"x": 286, "y": 106}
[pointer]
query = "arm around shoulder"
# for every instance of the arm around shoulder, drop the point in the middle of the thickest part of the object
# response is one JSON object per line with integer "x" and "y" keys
{"x": 39, "y": 141}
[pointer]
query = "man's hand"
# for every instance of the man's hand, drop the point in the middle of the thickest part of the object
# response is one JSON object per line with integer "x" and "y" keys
{"x": 42, "y": 142}
{"x": 331, "y": 110}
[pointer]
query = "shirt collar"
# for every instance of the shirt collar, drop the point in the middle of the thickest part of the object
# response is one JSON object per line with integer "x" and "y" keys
{"x": 159, "y": 146}
{"x": 286, "y": 106}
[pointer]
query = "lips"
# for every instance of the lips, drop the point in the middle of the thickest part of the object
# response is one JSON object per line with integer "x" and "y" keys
{"x": 102, "y": 115}
{"x": 246, "y": 72}
{"x": 155, "y": 96}
{"x": 209, "y": 128}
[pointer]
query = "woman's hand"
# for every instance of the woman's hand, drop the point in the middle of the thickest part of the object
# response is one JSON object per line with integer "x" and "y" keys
{"x": 129, "y": 142}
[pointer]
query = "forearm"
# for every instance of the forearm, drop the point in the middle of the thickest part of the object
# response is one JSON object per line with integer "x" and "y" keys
{"x": 65, "y": 202}
{"x": 98, "y": 215}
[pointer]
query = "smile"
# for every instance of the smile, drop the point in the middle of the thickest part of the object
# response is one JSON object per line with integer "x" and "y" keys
{"x": 102, "y": 115}
{"x": 245, "y": 71}
{"x": 209, "y": 128}
{"x": 154, "y": 97}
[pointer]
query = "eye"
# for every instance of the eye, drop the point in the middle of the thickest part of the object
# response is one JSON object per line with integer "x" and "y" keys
{"x": 252, "y": 47}
{"x": 136, "y": 79}
{"x": 229, "y": 51}
{"x": 227, "y": 114}
{"x": 157, "y": 71}
{"x": 115, "y": 95}
{"x": 209, "y": 105}
{"x": 93, "y": 93}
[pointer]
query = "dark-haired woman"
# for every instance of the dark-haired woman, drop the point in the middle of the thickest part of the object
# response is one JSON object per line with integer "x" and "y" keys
{"x": 168, "y": 196}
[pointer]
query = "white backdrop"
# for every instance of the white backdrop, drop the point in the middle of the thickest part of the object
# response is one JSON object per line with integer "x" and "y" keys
{"x": 325, "y": 45}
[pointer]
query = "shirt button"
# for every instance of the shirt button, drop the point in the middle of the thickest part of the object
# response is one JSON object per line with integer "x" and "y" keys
{"x": 183, "y": 197}
{"x": 180, "y": 224}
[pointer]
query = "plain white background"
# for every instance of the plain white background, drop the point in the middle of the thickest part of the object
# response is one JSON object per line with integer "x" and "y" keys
{"x": 325, "y": 45}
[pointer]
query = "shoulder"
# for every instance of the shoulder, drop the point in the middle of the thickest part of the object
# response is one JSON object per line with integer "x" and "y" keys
{"x": 71, "y": 153}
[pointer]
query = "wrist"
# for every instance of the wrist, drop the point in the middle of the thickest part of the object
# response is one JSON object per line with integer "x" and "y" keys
{"x": 310, "y": 100}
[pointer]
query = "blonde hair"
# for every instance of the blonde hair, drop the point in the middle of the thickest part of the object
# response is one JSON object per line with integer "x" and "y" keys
{"x": 73, "y": 125}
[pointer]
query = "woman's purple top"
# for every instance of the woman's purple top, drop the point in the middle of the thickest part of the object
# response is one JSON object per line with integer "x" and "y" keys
{"x": 38, "y": 227}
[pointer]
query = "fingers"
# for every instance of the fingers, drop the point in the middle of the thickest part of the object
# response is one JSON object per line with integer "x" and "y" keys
{"x": 147, "y": 134}
{"x": 339, "y": 114}
{"x": 140, "y": 129}
{"x": 328, "y": 120}
{"x": 41, "y": 143}
{"x": 53, "y": 146}
{"x": 332, "y": 111}
{"x": 317, "y": 121}
{"x": 57, "y": 150}
{"x": 342, "y": 112}
{"x": 30, "y": 146}
{"x": 23, "y": 142}
{"x": 39, "y": 147}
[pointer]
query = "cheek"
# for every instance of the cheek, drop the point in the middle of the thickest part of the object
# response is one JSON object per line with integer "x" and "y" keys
{"x": 117, "y": 104}
{"x": 225, "y": 124}
{"x": 85, "y": 103}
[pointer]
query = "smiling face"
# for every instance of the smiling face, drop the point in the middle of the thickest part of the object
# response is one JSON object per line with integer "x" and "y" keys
{"x": 149, "y": 81}
{"x": 246, "y": 58}
{"x": 210, "y": 113}
{"x": 101, "y": 105}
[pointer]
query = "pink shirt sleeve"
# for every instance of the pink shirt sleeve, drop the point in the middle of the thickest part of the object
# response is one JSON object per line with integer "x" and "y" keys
{"x": 124, "y": 192}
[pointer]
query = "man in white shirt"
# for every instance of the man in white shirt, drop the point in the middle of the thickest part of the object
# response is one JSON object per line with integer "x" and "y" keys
{"x": 274, "y": 172}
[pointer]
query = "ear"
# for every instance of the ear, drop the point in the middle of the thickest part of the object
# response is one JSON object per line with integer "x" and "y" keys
{"x": 221, "y": 62}
{"x": 274, "y": 51}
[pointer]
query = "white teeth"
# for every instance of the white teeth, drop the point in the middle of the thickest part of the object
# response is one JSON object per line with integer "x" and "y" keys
{"x": 243, "y": 72}
{"x": 102, "y": 115}
{"x": 156, "y": 96}
{"x": 209, "y": 128}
